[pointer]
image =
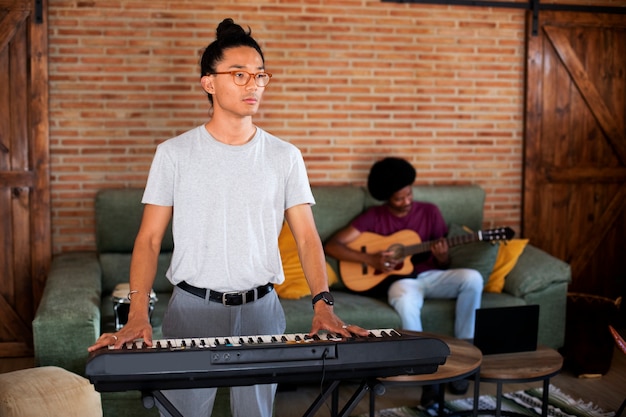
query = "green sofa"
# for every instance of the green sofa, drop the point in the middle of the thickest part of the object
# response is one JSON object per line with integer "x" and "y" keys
{"x": 77, "y": 307}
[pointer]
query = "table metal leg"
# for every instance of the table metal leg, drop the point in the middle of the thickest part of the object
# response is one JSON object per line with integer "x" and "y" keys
{"x": 546, "y": 396}
{"x": 498, "y": 399}
{"x": 476, "y": 393}
{"x": 441, "y": 393}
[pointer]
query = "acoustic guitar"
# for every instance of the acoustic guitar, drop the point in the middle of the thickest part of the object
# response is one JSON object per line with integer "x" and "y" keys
{"x": 404, "y": 244}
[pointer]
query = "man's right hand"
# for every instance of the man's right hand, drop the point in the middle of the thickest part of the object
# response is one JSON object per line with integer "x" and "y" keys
{"x": 134, "y": 329}
{"x": 384, "y": 261}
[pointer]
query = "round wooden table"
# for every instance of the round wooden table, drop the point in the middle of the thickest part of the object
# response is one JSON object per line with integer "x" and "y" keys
{"x": 465, "y": 360}
{"x": 538, "y": 365}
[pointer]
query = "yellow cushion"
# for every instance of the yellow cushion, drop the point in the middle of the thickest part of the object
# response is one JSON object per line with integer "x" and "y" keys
{"x": 508, "y": 253}
{"x": 295, "y": 285}
{"x": 47, "y": 391}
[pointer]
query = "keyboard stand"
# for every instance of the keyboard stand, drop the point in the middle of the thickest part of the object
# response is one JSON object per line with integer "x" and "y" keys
{"x": 150, "y": 399}
{"x": 371, "y": 385}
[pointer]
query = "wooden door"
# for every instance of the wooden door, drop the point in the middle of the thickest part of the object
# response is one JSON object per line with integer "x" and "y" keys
{"x": 24, "y": 177}
{"x": 575, "y": 151}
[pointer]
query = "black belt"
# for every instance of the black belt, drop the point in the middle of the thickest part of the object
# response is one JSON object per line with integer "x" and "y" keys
{"x": 234, "y": 298}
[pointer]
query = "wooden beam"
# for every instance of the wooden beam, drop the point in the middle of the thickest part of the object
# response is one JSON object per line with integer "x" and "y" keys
{"x": 581, "y": 257}
{"x": 609, "y": 123}
{"x": 17, "y": 179}
{"x": 10, "y": 24}
{"x": 15, "y": 350}
{"x": 587, "y": 175}
{"x": 15, "y": 4}
{"x": 13, "y": 324}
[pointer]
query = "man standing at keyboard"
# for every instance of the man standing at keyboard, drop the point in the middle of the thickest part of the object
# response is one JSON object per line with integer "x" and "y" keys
{"x": 226, "y": 186}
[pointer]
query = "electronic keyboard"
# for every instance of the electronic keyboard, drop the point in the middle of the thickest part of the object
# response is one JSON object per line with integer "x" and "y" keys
{"x": 249, "y": 360}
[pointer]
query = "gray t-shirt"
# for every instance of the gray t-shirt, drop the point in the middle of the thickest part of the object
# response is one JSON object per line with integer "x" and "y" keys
{"x": 229, "y": 204}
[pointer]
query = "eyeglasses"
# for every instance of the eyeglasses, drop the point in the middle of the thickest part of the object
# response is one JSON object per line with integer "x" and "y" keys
{"x": 241, "y": 78}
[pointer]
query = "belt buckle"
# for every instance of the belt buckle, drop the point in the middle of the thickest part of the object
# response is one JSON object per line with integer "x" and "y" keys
{"x": 226, "y": 294}
{"x": 242, "y": 294}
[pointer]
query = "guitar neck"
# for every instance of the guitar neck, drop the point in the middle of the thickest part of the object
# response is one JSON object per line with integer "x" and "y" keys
{"x": 424, "y": 247}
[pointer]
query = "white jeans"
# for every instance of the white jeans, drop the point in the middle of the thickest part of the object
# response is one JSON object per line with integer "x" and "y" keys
{"x": 407, "y": 296}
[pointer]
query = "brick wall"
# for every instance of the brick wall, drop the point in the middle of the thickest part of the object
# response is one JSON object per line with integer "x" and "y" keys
{"x": 354, "y": 80}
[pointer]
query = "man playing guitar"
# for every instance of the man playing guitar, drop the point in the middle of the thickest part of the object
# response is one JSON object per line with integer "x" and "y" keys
{"x": 390, "y": 180}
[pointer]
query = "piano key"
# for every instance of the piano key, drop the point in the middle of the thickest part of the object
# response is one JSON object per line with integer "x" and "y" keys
{"x": 212, "y": 342}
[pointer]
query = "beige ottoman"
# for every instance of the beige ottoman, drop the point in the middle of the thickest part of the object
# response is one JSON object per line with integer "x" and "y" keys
{"x": 47, "y": 391}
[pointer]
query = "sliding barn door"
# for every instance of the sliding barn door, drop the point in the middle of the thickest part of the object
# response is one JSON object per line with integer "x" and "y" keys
{"x": 24, "y": 177}
{"x": 575, "y": 151}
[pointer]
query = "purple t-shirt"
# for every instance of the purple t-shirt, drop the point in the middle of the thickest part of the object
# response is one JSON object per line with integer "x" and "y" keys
{"x": 424, "y": 218}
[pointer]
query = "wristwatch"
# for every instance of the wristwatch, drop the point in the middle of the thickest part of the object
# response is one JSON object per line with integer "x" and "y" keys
{"x": 325, "y": 296}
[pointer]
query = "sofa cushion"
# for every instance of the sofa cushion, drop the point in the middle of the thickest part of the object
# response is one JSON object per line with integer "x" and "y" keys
{"x": 295, "y": 284}
{"x": 367, "y": 312}
{"x": 480, "y": 256}
{"x": 116, "y": 269}
{"x": 118, "y": 216}
{"x": 524, "y": 279}
{"x": 336, "y": 207}
{"x": 508, "y": 254}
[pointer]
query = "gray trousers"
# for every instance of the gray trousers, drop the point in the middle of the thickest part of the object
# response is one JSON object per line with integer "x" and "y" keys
{"x": 190, "y": 316}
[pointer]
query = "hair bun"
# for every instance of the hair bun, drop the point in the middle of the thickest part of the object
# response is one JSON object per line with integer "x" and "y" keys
{"x": 228, "y": 29}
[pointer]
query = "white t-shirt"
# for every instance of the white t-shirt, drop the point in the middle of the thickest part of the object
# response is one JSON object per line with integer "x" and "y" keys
{"x": 229, "y": 204}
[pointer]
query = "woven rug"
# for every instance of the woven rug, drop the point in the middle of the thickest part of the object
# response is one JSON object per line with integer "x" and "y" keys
{"x": 525, "y": 402}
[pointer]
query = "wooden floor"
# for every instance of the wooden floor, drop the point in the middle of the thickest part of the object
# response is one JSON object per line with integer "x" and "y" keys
{"x": 607, "y": 391}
